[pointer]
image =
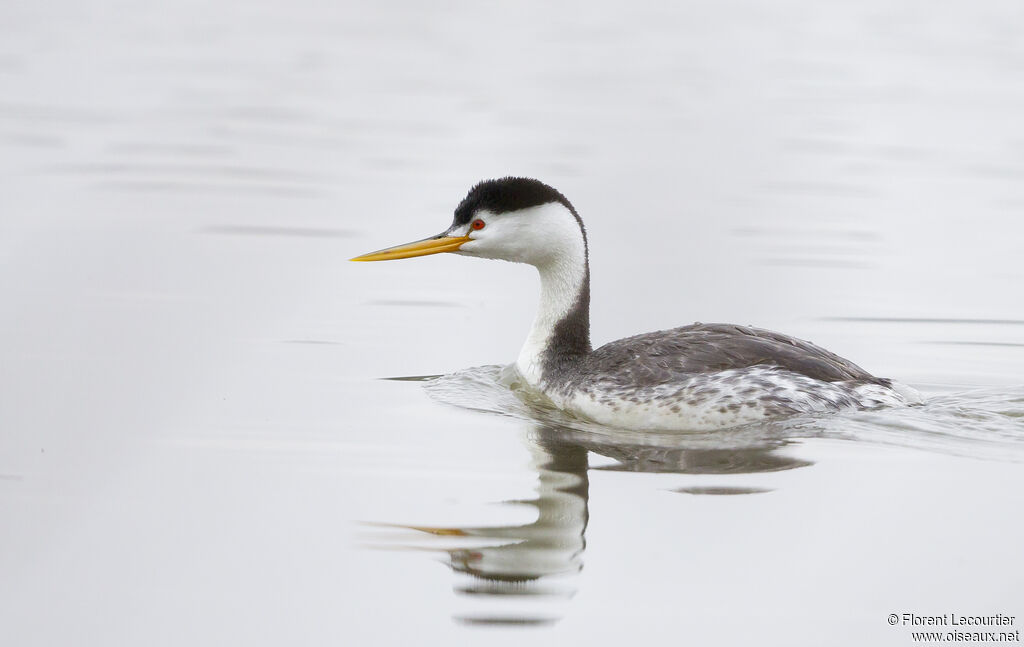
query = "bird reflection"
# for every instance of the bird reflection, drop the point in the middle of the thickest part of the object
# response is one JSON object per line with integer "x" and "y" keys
{"x": 535, "y": 564}
{"x": 748, "y": 460}
{"x": 551, "y": 545}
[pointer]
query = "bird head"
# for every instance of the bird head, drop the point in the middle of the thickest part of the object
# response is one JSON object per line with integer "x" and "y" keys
{"x": 515, "y": 219}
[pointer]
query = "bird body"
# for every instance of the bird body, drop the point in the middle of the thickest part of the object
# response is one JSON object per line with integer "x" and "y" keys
{"x": 698, "y": 377}
{"x": 709, "y": 376}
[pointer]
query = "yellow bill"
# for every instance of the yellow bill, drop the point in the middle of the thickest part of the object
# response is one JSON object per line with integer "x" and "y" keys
{"x": 424, "y": 247}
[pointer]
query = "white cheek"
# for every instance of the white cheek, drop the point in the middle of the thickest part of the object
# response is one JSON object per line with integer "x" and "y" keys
{"x": 504, "y": 238}
{"x": 496, "y": 240}
{"x": 537, "y": 235}
{"x": 483, "y": 246}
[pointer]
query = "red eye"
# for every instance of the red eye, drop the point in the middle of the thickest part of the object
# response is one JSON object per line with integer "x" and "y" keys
{"x": 478, "y": 224}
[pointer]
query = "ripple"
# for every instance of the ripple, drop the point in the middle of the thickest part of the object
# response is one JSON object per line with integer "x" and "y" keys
{"x": 824, "y": 189}
{"x": 1005, "y": 344}
{"x": 930, "y": 320}
{"x": 980, "y": 423}
{"x": 816, "y": 262}
{"x": 159, "y": 171}
{"x": 499, "y": 621}
{"x": 723, "y": 490}
{"x": 34, "y": 140}
{"x": 206, "y": 188}
{"x": 56, "y": 114}
{"x": 299, "y": 232}
{"x": 415, "y": 303}
{"x": 170, "y": 149}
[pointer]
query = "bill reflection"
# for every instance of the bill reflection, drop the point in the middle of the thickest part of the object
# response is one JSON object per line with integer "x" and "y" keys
{"x": 524, "y": 574}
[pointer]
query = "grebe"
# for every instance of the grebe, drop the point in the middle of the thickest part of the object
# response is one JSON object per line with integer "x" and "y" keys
{"x": 699, "y": 377}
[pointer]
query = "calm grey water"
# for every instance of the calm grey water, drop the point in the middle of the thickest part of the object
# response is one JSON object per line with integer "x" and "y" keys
{"x": 197, "y": 445}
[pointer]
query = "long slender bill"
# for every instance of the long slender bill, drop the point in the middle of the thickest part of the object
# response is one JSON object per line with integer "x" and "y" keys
{"x": 434, "y": 245}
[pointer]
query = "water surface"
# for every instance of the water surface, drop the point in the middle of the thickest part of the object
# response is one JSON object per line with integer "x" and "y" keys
{"x": 200, "y": 441}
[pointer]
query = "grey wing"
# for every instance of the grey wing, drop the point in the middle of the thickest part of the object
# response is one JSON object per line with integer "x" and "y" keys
{"x": 672, "y": 355}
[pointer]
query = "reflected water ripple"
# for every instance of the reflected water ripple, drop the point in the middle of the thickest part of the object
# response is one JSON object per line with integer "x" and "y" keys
{"x": 537, "y": 560}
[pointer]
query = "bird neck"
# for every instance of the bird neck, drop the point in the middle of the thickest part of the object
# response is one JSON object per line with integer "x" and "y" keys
{"x": 560, "y": 336}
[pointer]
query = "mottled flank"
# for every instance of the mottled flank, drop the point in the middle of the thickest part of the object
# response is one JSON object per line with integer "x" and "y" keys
{"x": 719, "y": 399}
{"x": 709, "y": 376}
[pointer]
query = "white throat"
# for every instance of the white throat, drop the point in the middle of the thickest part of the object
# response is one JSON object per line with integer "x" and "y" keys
{"x": 559, "y": 290}
{"x": 562, "y": 277}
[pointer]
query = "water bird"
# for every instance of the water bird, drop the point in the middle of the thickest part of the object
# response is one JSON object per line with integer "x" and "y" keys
{"x": 697, "y": 377}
